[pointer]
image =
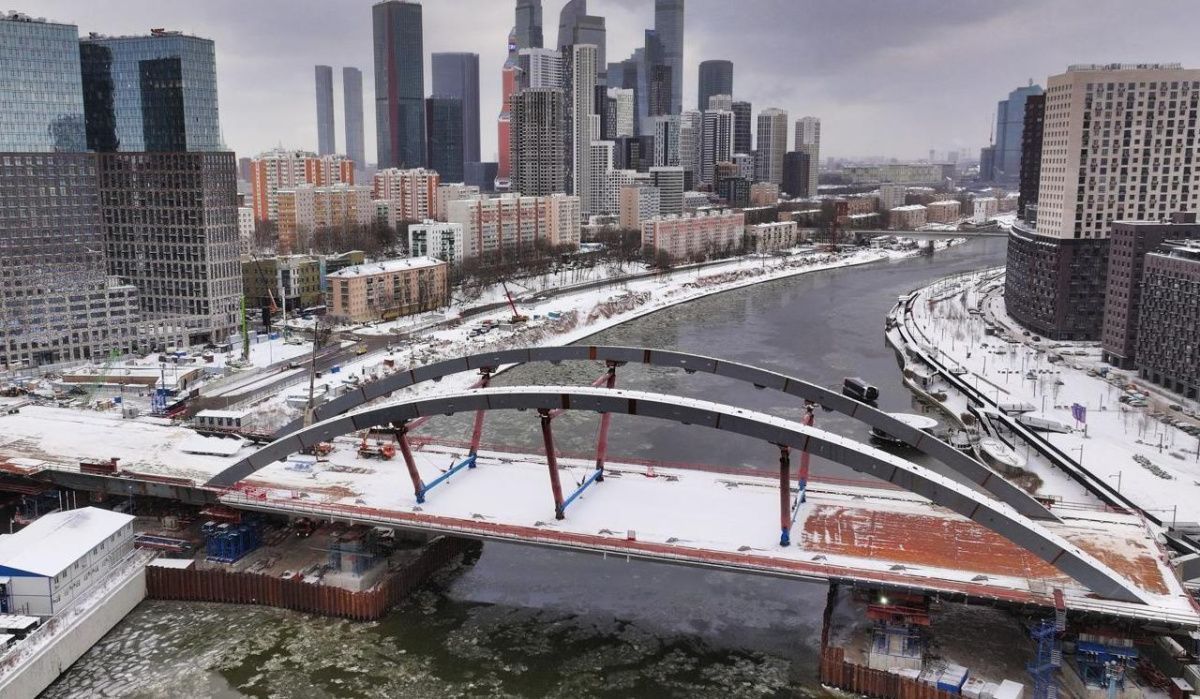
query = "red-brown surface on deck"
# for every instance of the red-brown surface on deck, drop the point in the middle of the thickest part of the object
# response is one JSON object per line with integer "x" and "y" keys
{"x": 919, "y": 540}
{"x": 1142, "y": 568}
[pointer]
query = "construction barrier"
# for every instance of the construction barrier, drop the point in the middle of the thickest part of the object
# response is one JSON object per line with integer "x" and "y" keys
{"x": 215, "y": 585}
{"x": 859, "y": 679}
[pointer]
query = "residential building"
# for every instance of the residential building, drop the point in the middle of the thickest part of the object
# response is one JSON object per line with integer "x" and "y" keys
{"x": 540, "y": 68}
{"x": 529, "y": 24}
{"x": 437, "y": 239}
{"x": 764, "y": 194}
{"x": 693, "y": 201}
{"x": 906, "y": 218}
{"x": 453, "y": 191}
{"x": 444, "y": 137}
{"x": 155, "y": 93}
{"x": 388, "y": 289}
{"x": 171, "y": 229}
{"x": 1105, "y": 157}
{"x": 692, "y": 236}
{"x": 984, "y": 209}
{"x": 716, "y": 78}
{"x": 622, "y": 117}
{"x": 283, "y": 169}
{"x": 306, "y": 209}
{"x": 325, "y": 129}
{"x": 716, "y": 144}
{"x": 691, "y": 138}
{"x": 48, "y": 54}
{"x": 457, "y": 75}
{"x": 616, "y": 180}
{"x": 668, "y": 28}
{"x": 796, "y": 181}
{"x": 891, "y": 196}
{"x": 583, "y": 124}
{"x": 399, "y": 84}
{"x": 669, "y": 182}
{"x": 744, "y": 166}
{"x": 245, "y": 229}
{"x": 734, "y": 190}
{"x": 1010, "y": 124}
{"x": 577, "y": 28}
{"x": 1168, "y": 335}
{"x": 743, "y": 138}
{"x": 538, "y": 145}
{"x": 808, "y": 140}
{"x": 771, "y": 237}
{"x": 62, "y": 556}
{"x": 352, "y": 110}
{"x": 638, "y": 203}
{"x": 947, "y": 210}
{"x": 772, "y": 144}
{"x": 504, "y": 227}
{"x": 666, "y": 141}
{"x": 1129, "y": 243}
{"x": 413, "y": 194}
{"x": 720, "y": 102}
{"x": 908, "y": 174}
{"x": 288, "y": 281}
{"x": 1031, "y": 156}
{"x": 508, "y": 86}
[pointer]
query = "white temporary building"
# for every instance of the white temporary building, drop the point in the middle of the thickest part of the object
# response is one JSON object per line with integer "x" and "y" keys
{"x": 59, "y": 556}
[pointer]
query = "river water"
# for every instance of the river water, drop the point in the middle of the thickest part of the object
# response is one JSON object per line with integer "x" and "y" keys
{"x": 530, "y": 622}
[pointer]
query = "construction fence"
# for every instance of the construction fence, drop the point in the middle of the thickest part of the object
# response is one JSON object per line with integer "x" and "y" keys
{"x": 859, "y": 679}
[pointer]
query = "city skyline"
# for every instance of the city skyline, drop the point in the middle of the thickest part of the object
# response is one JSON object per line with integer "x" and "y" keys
{"x": 854, "y": 76}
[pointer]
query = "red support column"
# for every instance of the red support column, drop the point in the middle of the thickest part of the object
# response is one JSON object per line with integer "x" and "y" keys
{"x": 477, "y": 431}
{"x": 605, "y": 419}
{"x": 785, "y": 496}
{"x": 808, "y": 420}
{"x": 401, "y": 431}
{"x": 552, "y": 463}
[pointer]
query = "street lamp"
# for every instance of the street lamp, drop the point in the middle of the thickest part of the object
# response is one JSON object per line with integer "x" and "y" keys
{"x": 1174, "y": 511}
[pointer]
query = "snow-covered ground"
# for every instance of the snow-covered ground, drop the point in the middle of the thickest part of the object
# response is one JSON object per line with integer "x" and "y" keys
{"x": 1153, "y": 463}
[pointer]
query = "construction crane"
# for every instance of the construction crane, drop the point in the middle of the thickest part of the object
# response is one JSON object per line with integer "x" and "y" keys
{"x": 516, "y": 316}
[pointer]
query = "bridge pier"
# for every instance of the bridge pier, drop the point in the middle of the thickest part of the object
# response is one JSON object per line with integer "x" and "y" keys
{"x": 602, "y": 437}
{"x": 808, "y": 420}
{"x": 477, "y": 431}
{"x": 785, "y": 496}
{"x": 552, "y": 462}
{"x": 401, "y": 431}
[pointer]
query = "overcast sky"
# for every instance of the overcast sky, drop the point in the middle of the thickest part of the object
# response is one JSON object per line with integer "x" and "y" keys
{"x": 887, "y": 77}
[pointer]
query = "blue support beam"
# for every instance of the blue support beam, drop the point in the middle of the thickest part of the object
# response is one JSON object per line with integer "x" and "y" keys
{"x": 468, "y": 462}
{"x": 595, "y": 475}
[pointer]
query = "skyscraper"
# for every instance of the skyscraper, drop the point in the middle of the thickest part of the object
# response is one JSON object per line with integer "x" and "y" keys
{"x": 582, "y": 121}
{"x": 539, "y": 140}
{"x": 326, "y": 144}
{"x": 444, "y": 117}
{"x": 716, "y": 78}
{"x": 1010, "y": 121}
{"x": 772, "y": 144}
{"x": 743, "y": 141}
{"x": 457, "y": 75}
{"x": 399, "y": 84}
{"x": 796, "y": 166}
{"x": 48, "y": 56}
{"x": 154, "y": 93}
{"x": 353, "y": 110}
{"x": 668, "y": 26}
{"x": 808, "y": 140}
{"x": 716, "y": 144}
{"x": 540, "y": 68}
{"x": 576, "y": 26}
{"x": 529, "y": 24}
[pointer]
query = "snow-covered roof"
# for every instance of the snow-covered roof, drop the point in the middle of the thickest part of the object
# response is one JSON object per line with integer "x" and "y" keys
{"x": 55, "y": 541}
{"x": 910, "y": 207}
{"x": 222, "y": 414}
{"x": 384, "y": 267}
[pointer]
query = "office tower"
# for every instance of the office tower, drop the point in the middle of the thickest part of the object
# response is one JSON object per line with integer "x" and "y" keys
{"x": 666, "y": 141}
{"x": 1106, "y": 157}
{"x": 742, "y": 137}
{"x": 582, "y": 121}
{"x": 808, "y": 140}
{"x": 716, "y": 78}
{"x": 352, "y": 104}
{"x": 772, "y": 144}
{"x": 721, "y": 102}
{"x": 691, "y": 136}
{"x": 155, "y": 93}
{"x": 539, "y": 141}
{"x": 1010, "y": 123}
{"x": 399, "y": 84}
{"x": 457, "y": 75}
{"x": 540, "y": 68}
{"x": 529, "y": 24}
{"x": 444, "y": 118}
{"x": 621, "y": 119}
{"x": 48, "y": 58}
{"x": 796, "y": 181}
{"x": 669, "y": 183}
{"x": 244, "y": 169}
{"x": 482, "y": 176}
{"x": 576, "y": 27}
{"x": 987, "y": 163}
{"x": 1031, "y": 158}
{"x": 285, "y": 169}
{"x": 171, "y": 229}
{"x": 668, "y": 26}
{"x": 716, "y": 143}
{"x": 326, "y": 144}
{"x": 657, "y": 76}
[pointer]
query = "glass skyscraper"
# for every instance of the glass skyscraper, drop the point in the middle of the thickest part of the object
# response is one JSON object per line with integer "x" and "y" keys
{"x": 154, "y": 93}
{"x": 41, "y": 102}
{"x": 444, "y": 127}
{"x": 668, "y": 28}
{"x": 399, "y": 84}
{"x": 457, "y": 75}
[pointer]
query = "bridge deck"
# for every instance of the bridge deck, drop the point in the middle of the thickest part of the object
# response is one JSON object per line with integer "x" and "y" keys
{"x": 865, "y": 531}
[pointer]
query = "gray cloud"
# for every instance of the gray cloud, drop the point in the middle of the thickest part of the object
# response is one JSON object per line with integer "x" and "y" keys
{"x": 888, "y": 77}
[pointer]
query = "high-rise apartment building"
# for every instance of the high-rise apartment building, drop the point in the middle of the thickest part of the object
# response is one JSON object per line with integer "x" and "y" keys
{"x": 622, "y": 116}
{"x": 509, "y": 79}
{"x": 399, "y": 84}
{"x": 437, "y": 239}
{"x": 1031, "y": 157}
{"x": 529, "y": 24}
{"x": 582, "y": 121}
{"x": 693, "y": 236}
{"x": 666, "y": 141}
{"x": 457, "y": 75}
{"x": 772, "y": 144}
{"x": 600, "y": 197}
{"x": 720, "y": 102}
{"x": 412, "y": 194}
{"x": 1010, "y": 124}
{"x": 808, "y": 140}
{"x": 47, "y": 54}
{"x": 284, "y": 169}
{"x": 1168, "y": 337}
{"x": 797, "y": 167}
{"x": 691, "y": 141}
{"x": 305, "y": 210}
{"x": 1114, "y": 148}
{"x": 576, "y": 28}
{"x": 637, "y": 203}
{"x": 669, "y": 182}
{"x": 352, "y": 106}
{"x": 444, "y": 145}
{"x": 503, "y": 227}
{"x": 538, "y": 142}
{"x": 668, "y": 27}
{"x": 326, "y": 141}
{"x": 742, "y": 137}
{"x": 716, "y": 144}
{"x": 540, "y": 68}
{"x": 716, "y": 78}
{"x": 155, "y": 93}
